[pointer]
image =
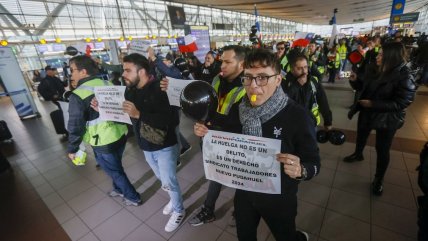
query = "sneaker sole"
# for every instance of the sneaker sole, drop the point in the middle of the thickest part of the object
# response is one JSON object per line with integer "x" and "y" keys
{"x": 201, "y": 223}
{"x": 182, "y": 154}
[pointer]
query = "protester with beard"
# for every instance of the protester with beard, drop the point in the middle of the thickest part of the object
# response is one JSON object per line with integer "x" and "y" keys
{"x": 306, "y": 90}
{"x": 154, "y": 122}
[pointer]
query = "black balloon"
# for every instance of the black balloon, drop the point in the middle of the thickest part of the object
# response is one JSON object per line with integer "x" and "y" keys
{"x": 336, "y": 137}
{"x": 199, "y": 101}
{"x": 70, "y": 50}
{"x": 322, "y": 136}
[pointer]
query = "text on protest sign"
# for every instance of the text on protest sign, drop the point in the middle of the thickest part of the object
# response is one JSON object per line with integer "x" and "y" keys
{"x": 110, "y": 100}
{"x": 175, "y": 87}
{"x": 242, "y": 162}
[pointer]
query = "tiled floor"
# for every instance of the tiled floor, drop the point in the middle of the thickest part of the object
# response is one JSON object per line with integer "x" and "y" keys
{"x": 336, "y": 205}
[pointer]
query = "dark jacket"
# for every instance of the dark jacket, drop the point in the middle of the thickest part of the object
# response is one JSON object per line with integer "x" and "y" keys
{"x": 208, "y": 73}
{"x": 229, "y": 122}
{"x": 51, "y": 86}
{"x": 297, "y": 136}
{"x": 156, "y": 112}
{"x": 80, "y": 112}
{"x": 305, "y": 96}
{"x": 390, "y": 94}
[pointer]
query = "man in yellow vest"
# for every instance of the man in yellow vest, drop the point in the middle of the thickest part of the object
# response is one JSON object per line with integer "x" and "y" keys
{"x": 282, "y": 50}
{"x": 343, "y": 51}
{"x": 230, "y": 91}
{"x": 307, "y": 90}
{"x": 107, "y": 138}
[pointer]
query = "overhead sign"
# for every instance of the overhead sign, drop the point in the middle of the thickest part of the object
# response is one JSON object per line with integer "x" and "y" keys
{"x": 408, "y": 17}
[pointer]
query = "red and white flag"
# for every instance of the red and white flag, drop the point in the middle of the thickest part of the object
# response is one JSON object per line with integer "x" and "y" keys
{"x": 187, "y": 44}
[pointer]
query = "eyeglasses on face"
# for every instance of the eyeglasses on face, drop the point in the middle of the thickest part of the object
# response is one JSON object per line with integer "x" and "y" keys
{"x": 260, "y": 80}
{"x": 281, "y": 48}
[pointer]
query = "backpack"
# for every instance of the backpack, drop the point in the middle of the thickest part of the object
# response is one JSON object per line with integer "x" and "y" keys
{"x": 423, "y": 170}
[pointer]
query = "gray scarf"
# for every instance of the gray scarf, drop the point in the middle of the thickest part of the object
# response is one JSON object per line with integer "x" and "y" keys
{"x": 252, "y": 118}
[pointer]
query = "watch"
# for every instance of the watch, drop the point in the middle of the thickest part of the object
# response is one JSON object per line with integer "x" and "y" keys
{"x": 303, "y": 173}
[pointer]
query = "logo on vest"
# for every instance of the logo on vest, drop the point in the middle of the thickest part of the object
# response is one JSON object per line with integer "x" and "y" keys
{"x": 277, "y": 132}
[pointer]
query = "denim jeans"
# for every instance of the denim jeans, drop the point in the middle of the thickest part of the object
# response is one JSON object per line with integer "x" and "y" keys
{"x": 111, "y": 163}
{"x": 164, "y": 165}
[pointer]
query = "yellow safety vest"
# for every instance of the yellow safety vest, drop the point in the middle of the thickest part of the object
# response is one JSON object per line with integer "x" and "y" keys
{"x": 320, "y": 69}
{"x": 99, "y": 132}
{"x": 284, "y": 64}
{"x": 315, "y": 107}
{"x": 225, "y": 104}
{"x": 342, "y": 51}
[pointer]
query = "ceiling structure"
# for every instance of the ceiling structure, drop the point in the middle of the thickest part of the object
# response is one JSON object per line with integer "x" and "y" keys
{"x": 313, "y": 11}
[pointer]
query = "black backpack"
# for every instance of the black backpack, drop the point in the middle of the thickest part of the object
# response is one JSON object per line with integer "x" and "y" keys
{"x": 423, "y": 170}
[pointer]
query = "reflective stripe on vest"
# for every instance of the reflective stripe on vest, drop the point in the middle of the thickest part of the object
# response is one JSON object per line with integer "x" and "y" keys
{"x": 99, "y": 132}
{"x": 315, "y": 108}
{"x": 225, "y": 104}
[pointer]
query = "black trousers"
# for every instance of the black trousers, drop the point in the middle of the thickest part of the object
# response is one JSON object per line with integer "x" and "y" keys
{"x": 423, "y": 218}
{"x": 278, "y": 211}
{"x": 4, "y": 163}
{"x": 332, "y": 74}
{"x": 383, "y": 144}
{"x": 212, "y": 195}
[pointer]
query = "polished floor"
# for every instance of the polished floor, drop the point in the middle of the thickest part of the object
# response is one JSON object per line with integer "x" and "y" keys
{"x": 64, "y": 200}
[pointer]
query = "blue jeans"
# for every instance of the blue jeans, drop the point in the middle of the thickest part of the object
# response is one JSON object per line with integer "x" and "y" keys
{"x": 111, "y": 163}
{"x": 164, "y": 165}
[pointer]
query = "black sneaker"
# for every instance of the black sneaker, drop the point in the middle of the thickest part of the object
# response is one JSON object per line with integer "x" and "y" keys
{"x": 377, "y": 187}
{"x": 184, "y": 150}
{"x": 302, "y": 236}
{"x": 353, "y": 158}
{"x": 178, "y": 163}
{"x": 203, "y": 216}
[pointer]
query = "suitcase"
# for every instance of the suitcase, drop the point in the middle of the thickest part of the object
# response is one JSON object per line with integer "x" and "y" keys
{"x": 4, "y": 131}
{"x": 58, "y": 122}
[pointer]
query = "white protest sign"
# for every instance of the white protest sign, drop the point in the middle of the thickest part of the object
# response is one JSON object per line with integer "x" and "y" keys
{"x": 175, "y": 87}
{"x": 110, "y": 100}
{"x": 242, "y": 162}
{"x": 139, "y": 47}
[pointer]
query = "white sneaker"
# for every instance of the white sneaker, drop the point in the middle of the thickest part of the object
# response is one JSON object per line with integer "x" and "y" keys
{"x": 174, "y": 221}
{"x": 167, "y": 210}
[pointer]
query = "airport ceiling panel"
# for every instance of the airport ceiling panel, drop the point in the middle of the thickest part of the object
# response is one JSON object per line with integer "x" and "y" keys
{"x": 313, "y": 11}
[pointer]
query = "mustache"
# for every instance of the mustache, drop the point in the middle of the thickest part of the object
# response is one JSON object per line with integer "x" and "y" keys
{"x": 300, "y": 76}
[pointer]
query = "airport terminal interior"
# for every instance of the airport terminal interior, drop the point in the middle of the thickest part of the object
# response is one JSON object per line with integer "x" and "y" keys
{"x": 44, "y": 196}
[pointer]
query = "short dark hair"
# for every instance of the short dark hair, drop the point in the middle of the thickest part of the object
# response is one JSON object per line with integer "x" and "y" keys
{"x": 85, "y": 62}
{"x": 139, "y": 60}
{"x": 264, "y": 58}
{"x": 239, "y": 51}
{"x": 294, "y": 56}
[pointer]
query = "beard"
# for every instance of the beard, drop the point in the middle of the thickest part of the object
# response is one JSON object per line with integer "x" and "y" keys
{"x": 131, "y": 83}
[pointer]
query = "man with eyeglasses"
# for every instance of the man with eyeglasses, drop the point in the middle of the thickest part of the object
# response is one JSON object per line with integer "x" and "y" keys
{"x": 230, "y": 92}
{"x": 266, "y": 111}
{"x": 107, "y": 138}
{"x": 306, "y": 90}
{"x": 282, "y": 50}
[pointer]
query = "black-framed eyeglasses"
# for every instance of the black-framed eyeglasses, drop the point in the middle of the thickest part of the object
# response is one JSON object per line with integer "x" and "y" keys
{"x": 260, "y": 80}
{"x": 281, "y": 48}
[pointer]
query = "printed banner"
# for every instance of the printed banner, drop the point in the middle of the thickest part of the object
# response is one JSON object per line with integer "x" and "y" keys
{"x": 175, "y": 87}
{"x": 139, "y": 47}
{"x": 242, "y": 162}
{"x": 110, "y": 100}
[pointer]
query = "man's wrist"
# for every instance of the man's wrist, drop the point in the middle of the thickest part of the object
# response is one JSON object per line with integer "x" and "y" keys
{"x": 303, "y": 173}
